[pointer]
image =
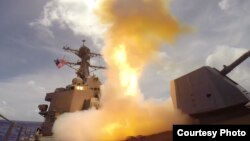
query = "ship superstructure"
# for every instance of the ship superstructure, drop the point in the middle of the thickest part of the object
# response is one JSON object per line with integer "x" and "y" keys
{"x": 82, "y": 94}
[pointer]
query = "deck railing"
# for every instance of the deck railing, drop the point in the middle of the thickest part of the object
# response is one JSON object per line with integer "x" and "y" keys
{"x": 13, "y": 125}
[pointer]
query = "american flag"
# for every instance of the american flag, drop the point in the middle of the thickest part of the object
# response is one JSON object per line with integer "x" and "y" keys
{"x": 60, "y": 63}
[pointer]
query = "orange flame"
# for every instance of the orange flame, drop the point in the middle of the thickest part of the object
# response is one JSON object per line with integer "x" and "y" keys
{"x": 137, "y": 29}
{"x": 128, "y": 76}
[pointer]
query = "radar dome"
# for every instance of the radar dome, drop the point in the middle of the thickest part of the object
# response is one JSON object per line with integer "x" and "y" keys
{"x": 77, "y": 81}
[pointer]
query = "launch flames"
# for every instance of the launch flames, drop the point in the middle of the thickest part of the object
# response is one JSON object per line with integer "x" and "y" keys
{"x": 137, "y": 29}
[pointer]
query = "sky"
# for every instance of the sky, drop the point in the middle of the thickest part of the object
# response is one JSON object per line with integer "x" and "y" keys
{"x": 34, "y": 32}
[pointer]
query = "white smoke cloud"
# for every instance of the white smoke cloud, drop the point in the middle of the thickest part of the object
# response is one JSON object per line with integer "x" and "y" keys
{"x": 106, "y": 124}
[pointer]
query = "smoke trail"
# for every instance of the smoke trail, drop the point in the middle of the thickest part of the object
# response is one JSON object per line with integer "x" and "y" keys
{"x": 137, "y": 29}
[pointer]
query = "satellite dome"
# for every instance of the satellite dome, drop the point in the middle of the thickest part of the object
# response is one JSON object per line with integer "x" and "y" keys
{"x": 77, "y": 81}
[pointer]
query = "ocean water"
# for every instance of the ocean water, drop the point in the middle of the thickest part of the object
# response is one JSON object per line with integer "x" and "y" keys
{"x": 29, "y": 128}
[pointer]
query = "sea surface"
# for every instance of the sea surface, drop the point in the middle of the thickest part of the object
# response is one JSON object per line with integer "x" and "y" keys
{"x": 29, "y": 128}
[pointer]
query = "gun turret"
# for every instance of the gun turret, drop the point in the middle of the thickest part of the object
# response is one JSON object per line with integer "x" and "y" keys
{"x": 229, "y": 68}
{"x": 211, "y": 97}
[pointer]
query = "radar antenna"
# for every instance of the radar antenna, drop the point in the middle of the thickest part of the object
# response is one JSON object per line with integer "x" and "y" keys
{"x": 84, "y": 54}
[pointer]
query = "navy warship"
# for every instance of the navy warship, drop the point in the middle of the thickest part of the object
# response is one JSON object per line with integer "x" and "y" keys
{"x": 83, "y": 93}
{"x": 207, "y": 95}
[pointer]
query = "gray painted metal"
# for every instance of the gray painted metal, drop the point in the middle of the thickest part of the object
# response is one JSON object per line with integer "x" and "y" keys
{"x": 210, "y": 96}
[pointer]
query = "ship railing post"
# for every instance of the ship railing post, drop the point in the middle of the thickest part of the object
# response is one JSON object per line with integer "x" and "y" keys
{"x": 29, "y": 133}
{"x": 26, "y": 133}
{"x": 19, "y": 133}
{"x": 8, "y": 133}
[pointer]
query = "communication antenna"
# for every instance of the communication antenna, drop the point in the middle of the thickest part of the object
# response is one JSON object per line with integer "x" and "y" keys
{"x": 83, "y": 65}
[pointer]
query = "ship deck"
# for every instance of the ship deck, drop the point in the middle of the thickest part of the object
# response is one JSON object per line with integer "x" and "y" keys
{"x": 164, "y": 136}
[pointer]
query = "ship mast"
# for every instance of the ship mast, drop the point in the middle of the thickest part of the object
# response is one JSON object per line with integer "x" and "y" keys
{"x": 84, "y": 54}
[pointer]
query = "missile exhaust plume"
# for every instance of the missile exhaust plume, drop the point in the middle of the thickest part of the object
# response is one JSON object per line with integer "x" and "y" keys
{"x": 136, "y": 31}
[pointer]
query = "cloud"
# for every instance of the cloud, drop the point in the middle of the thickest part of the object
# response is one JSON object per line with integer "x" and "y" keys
{"x": 77, "y": 15}
{"x": 224, "y": 4}
{"x": 225, "y": 55}
{"x": 6, "y": 110}
{"x": 235, "y": 8}
{"x": 42, "y": 30}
